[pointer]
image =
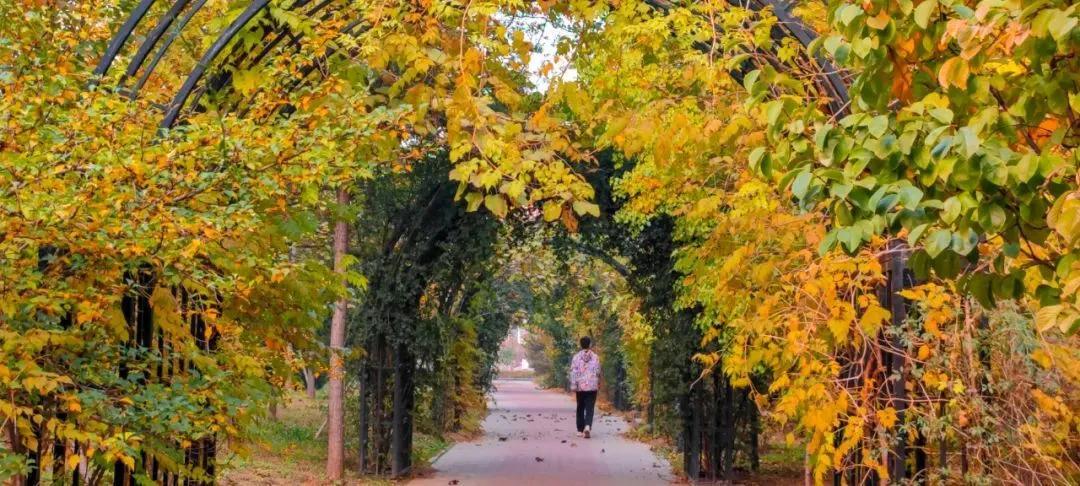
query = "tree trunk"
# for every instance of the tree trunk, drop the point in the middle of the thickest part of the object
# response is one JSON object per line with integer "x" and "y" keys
{"x": 335, "y": 460}
{"x": 309, "y": 382}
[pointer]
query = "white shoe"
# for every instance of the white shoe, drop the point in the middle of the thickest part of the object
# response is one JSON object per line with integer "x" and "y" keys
{"x": 587, "y": 432}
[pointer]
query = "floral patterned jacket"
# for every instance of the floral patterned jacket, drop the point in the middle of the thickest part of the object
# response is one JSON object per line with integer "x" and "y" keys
{"x": 585, "y": 371}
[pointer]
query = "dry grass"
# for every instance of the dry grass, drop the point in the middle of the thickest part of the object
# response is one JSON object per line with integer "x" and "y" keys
{"x": 287, "y": 452}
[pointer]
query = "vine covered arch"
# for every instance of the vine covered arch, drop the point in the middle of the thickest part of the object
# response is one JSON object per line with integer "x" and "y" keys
{"x": 925, "y": 143}
{"x": 171, "y": 23}
{"x": 262, "y": 32}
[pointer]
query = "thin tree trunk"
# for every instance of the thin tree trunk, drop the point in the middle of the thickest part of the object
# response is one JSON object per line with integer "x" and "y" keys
{"x": 309, "y": 382}
{"x": 335, "y": 460}
{"x": 807, "y": 476}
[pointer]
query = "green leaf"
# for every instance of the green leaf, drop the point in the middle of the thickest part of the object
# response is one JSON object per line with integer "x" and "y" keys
{"x": 1061, "y": 25}
{"x": 910, "y": 196}
{"x": 843, "y": 214}
{"x": 801, "y": 184}
{"x": 964, "y": 241}
{"x": 586, "y": 207}
{"x": 943, "y": 115}
{"x": 913, "y": 237}
{"x": 941, "y": 148}
{"x": 850, "y": 237}
{"x": 1027, "y": 167}
{"x": 878, "y": 125}
{"x": 848, "y": 13}
{"x": 938, "y": 242}
{"x": 828, "y": 242}
{"x": 750, "y": 79}
{"x": 1006, "y": 287}
{"x": 923, "y": 12}
{"x": 969, "y": 139}
{"x": 978, "y": 285}
{"x": 951, "y": 210}
{"x": 760, "y": 162}
{"x": 992, "y": 217}
{"x": 840, "y": 190}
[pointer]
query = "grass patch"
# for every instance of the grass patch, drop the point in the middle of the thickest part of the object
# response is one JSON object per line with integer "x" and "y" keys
{"x": 285, "y": 451}
{"x": 426, "y": 448}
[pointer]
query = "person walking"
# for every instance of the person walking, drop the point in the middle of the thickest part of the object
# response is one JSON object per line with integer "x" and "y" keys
{"x": 584, "y": 381}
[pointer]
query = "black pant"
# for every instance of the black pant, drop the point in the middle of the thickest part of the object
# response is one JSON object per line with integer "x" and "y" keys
{"x": 586, "y": 402}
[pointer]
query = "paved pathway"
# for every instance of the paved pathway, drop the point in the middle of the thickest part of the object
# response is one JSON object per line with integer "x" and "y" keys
{"x": 529, "y": 439}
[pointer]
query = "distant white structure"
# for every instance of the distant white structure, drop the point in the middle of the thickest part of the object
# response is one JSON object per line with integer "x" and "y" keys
{"x": 512, "y": 351}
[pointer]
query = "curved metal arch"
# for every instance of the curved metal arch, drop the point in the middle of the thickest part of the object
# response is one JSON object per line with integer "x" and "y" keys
{"x": 220, "y": 80}
{"x": 155, "y": 39}
{"x": 121, "y": 38}
{"x": 155, "y": 35}
{"x": 790, "y": 25}
{"x": 134, "y": 90}
{"x": 234, "y": 28}
{"x": 832, "y": 84}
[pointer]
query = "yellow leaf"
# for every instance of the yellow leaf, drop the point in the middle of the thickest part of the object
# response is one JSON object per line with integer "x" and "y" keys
{"x": 954, "y": 72}
{"x": 879, "y": 21}
{"x": 496, "y": 204}
{"x": 872, "y": 319}
{"x": 246, "y": 81}
{"x": 585, "y": 207}
{"x": 1046, "y": 317}
{"x": 839, "y": 329}
{"x": 72, "y": 462}
{"x": 887, "y": 417}
{"x": 1041, "y": 357}
{"x": 552, "y": 210}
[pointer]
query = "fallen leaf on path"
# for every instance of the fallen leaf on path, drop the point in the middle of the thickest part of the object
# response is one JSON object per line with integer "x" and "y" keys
{"x": 539, "y": 459}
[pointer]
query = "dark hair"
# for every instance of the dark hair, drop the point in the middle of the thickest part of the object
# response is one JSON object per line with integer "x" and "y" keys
{"x": 586, "y": 342}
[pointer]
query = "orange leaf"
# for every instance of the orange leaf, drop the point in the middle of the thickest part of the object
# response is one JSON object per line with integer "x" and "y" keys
{"x": 954, "y": 72}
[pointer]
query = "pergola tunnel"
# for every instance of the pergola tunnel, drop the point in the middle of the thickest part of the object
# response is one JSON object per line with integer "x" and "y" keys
{"x": 386, "y": 374}
{"x": 851, "y": 257}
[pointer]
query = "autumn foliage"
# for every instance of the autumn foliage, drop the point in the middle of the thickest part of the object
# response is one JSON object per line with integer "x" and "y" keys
{"x": 952, "y": 152}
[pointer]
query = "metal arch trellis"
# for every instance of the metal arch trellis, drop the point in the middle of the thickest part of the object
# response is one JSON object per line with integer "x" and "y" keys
{"x": 828, "y": 81}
